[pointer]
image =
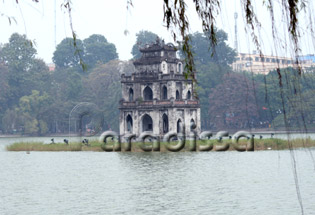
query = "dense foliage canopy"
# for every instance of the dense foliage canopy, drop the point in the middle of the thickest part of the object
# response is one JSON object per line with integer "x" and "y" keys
{"x": 37, "y": 101}
{"x": 91, "y": 51}
{"x": 143, "y": 38}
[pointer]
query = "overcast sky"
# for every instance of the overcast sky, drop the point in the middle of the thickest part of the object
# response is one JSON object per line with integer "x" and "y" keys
{"x": 111, "y": 19}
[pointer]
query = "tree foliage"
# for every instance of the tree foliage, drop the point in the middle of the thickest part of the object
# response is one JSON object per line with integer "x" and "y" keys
{"x": 203, "y": 52}
{"x": 176, "y": 17}
{"x": 29, "y": 116}
{"x": 4, "y": 91}
{"x": 91, "y": 51}
{"x": 67, "y": 55}
{"x": 18, "y": 53}
{"x": 211, "y": 66}
{"x": 25, "y": 70}
{"x": 32, "y": 110}
{"x": 209, "y": 75}
{"x": 233, "y": 103}
{"x": 103, "y": 88}
{"x": 97, "y": 50}
{"x": 290, "y": 106}
{"x": 143, "y": 38}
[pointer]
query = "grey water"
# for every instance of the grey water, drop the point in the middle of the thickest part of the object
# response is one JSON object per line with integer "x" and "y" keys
{"x": 260, "y": 182}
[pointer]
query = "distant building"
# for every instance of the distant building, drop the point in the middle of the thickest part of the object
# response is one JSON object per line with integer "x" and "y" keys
{"x": 266, "y": 63}
{"x": 307, "y": 62}
{"x": 51, "y": 67}
{"x": 157, "y": 98}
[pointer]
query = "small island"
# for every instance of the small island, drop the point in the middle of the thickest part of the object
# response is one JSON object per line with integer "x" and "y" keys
{"x": 96, "y": 146}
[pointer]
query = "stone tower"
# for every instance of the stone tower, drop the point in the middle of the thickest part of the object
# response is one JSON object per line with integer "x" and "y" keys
{"x": 157, "y": 98}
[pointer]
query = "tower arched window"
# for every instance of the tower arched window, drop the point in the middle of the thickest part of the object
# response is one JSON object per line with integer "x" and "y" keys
{"x": 165, "y": 123}
{"x": 192, "y": 125}
{"x": 130, "y": 94}
{"x": 179, "y": 126}
{"x": 147, "y": 93}
{"x": 129, "y": 123}
{"x": 179, "y": 68}
{"x": 177, "y": 94}
{"x": 147, "y": 123}
{"x": 188, "y": 95}
{"x": 164, "y": 92}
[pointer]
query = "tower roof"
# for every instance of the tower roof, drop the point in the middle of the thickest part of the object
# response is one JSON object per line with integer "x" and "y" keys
{"x": 157, "y": 52}
{"x": 158, "y": 46}
{"x": 155, "y": 60}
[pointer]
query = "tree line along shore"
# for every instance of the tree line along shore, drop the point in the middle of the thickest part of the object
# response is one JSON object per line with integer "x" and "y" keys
{"x": 36, "y": 99}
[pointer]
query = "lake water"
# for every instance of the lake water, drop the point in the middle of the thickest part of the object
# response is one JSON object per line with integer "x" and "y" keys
{"x": 260, "y": 182}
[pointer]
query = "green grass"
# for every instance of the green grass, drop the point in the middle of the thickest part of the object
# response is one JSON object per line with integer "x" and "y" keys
{"x": 260, "y": 144}
{"x": 39, "y": 146}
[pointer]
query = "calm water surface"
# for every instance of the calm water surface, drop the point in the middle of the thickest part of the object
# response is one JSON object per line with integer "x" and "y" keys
{"x": 260, "y": 182}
